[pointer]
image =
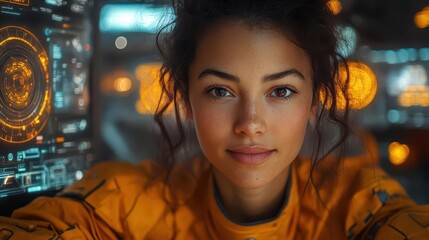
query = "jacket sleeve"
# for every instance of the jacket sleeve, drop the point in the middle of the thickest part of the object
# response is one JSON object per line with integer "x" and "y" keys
{"x": 383, "y": 210}
{"x": 54, "y": 218}
{"x": 19, "y": 229}
{"x": 72, "y": 214}
{"x": 399, "y": 218}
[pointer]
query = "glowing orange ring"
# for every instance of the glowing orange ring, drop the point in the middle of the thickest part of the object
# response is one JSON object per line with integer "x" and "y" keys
{"x": 25, "y": 88}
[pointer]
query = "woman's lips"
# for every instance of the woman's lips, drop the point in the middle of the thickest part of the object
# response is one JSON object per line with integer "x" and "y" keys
{"x": 250, "y": 155}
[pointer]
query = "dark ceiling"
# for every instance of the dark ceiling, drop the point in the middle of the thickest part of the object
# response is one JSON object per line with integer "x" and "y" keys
{"x": 386, "y": 23}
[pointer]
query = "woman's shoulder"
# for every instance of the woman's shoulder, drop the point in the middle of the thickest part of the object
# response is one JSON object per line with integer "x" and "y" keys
{"x": 347, "y": 180}
{"x": 111, "y": 175}
{"x": 350, "y": 174}
{"x": 119, "y": 181}
{"x": 112, "y": 188}
{"x": 120, "y": 192}
{"x": 362, "y": 196}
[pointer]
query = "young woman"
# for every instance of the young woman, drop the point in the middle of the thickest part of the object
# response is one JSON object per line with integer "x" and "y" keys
{"x": 249, "y": 75}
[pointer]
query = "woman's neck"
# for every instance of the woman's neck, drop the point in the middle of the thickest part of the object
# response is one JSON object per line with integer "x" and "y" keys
{"x": 250, "y": 205}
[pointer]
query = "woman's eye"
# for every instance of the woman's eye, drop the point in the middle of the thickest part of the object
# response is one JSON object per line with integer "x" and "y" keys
{"x": 282, "y": 92}
{"x": 219, "y": 92}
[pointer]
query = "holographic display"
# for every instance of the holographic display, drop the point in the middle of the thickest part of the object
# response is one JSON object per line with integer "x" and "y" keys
{"x": 25, "y": 85}
{"x": 45, "y": 113}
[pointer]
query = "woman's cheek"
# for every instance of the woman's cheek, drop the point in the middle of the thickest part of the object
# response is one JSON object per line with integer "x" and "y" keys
{"x": 210, "y": 123}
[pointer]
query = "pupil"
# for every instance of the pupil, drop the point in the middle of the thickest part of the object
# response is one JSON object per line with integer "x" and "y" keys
{"x": 281, "y": 92}
{"x": 220, "y": 92}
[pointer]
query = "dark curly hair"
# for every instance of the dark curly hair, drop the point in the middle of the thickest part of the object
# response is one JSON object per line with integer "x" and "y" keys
{"x": 307, "y": 23}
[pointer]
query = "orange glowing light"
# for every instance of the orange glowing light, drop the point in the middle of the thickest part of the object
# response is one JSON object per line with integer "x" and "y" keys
{"x": 122, "y": 84}
{"x": 414, "y": 96}
{"x": 335, "y": 6}
{"x": 59, "y": 139}
{"x": 21, "y": 83}
{"x": 361, "y": 89}
{"x": 18, "y": 2}
{"x": 398, "y": 153}
{"x": 150, "y": 90}
{"x": 421, "y": 19}
{"x": 406, "y": 100}
{"x": 425, "y": 101}
{"x": 118, "y": 82}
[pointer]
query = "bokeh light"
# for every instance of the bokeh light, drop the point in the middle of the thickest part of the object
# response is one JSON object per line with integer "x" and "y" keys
{"x": 335, "y": 6}
{"x": 349, "y": 38}
{"x": 118, "y": 82}
{"x": 361, "y": 89}
{"x": 122, "y": 84}
{"x": 137, "y": 17}
{"x": 398, "y": 153}
{"x": 121, "y": 42}
{"x": 150, "y": 89}
{"x": 414, "y": 96}
{"x": 421, "y": 19}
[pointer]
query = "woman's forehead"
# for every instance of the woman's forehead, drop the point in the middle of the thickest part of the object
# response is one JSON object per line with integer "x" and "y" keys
{"x": 235, "y": 44}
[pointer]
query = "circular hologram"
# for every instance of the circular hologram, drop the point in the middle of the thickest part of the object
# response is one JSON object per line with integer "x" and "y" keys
{"x": 25, "y": 89}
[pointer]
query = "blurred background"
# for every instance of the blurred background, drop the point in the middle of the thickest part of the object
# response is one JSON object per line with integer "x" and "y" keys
{"x": 100, "y": 60}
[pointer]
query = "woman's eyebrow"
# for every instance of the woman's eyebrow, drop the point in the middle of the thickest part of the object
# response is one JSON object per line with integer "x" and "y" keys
{"x": 282, "y": 74}
{"x": 218, "y": 74}
{"x": 266, "y": 78}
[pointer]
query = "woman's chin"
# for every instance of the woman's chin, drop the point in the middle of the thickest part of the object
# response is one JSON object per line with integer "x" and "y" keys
{"x": 249, "y": 182}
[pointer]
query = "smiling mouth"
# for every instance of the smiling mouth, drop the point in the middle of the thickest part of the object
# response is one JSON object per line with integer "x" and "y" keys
{"x": 250, "y": 157}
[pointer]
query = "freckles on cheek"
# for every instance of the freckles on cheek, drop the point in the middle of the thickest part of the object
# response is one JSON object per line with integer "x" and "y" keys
{"x": 292, "y": 125}
{"x": 207, "y": 122}
{"x": 210, "y": 116}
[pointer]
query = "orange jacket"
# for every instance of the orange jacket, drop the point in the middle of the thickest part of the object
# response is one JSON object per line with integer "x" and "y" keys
{"x": 110, "y": 202}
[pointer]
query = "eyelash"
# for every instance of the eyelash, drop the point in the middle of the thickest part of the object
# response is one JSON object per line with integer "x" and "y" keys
{"x": 208, "y": 91}
{"x": 292, "y": 90}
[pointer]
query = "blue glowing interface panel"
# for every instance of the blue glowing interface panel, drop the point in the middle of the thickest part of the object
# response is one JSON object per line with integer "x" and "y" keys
{"x": 45, "y": 113}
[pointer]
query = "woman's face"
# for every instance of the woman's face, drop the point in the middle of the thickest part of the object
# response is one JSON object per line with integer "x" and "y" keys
{"x": 250, "y": 94}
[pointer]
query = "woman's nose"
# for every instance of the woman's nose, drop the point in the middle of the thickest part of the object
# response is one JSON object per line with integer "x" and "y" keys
{"x": 250, "y": 119}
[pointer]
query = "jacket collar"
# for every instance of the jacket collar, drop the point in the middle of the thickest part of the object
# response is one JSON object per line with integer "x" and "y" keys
{"x": 282, "y": 226}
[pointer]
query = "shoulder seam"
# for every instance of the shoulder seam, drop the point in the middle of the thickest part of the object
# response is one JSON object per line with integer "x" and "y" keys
{"x": 80, "y": 197}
